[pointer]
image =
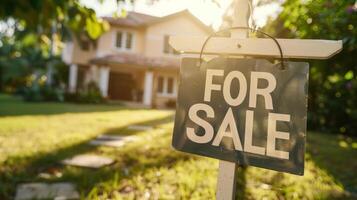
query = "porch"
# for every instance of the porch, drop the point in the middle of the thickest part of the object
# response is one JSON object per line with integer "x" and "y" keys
{"x": 134, "y": 84}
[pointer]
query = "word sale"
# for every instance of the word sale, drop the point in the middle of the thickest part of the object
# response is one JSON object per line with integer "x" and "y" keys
{"x": 229, "y": 120}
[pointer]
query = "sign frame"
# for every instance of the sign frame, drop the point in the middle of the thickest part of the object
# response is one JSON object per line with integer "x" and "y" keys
{"x": 236, "y": 105}
{"x": 227, "y": 172}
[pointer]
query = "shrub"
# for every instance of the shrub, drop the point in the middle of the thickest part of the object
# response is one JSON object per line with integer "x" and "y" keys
{"x": 36, "y": 93}
{"x": 32, "y": 93}
{"x": 52, "y": 94}
{"x": 91, "y": 94}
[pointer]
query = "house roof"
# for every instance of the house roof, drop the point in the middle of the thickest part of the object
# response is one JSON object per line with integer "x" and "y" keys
{"x": 135, "y": 19}
{"x": 138, "y": 60}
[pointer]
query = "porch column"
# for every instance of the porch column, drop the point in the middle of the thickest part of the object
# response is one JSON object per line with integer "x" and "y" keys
{"x": 148, "y": 88}
{"x": 103, "y": 82}
{"x": 73, "y": 74}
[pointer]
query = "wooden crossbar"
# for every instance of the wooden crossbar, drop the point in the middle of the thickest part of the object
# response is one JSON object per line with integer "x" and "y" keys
{"x": 292, "y": 48}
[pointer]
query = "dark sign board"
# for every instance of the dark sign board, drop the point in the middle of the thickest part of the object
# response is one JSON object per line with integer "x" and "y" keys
{"x": 247, "y": 111}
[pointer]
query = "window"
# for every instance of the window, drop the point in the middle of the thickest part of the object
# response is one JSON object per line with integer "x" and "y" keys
{"x": 167, "y": 47}
{"x": 166, "y": 86}
{"x": 124, "y": 40}
{"x": 160, "y": 85}
{"x": 170, "y": 85}
{"x": 119, "y": 40}
{"x": 129, "y": 40}
{"x": 85, "y": 45}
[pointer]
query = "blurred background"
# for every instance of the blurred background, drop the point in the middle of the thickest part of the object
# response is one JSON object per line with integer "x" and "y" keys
{"x": 98, "y": 77}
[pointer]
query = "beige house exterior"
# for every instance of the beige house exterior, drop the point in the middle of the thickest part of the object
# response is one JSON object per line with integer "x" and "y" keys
{"x": 133, "y": 61}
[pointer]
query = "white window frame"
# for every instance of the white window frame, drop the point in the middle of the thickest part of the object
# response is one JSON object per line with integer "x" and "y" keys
{"x": 165, "y": 93}
{"x": 123, "y": 40}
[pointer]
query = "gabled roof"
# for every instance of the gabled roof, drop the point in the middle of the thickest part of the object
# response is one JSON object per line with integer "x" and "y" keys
{"x": 135, "y": 19}
{"x": 132, "y": 19}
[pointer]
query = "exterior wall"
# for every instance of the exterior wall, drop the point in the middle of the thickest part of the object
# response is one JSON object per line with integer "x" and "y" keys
{"x": 106, "y": 43}
{"x": 80, "y": 56}
{"x": 163, "y": 102}
{"x": 154, "y": 39}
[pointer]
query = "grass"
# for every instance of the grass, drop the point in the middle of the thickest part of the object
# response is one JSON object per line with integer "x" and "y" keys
{"x": 34, "y": 137}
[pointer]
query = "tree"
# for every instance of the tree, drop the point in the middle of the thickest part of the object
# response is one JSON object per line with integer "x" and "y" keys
{"x": 40, "y": 15}
{"x": 333, "y": 83}
{"x": 49, "y": 20}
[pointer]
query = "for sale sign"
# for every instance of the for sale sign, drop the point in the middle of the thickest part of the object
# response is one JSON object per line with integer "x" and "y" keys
{"x": 247, "y": 111}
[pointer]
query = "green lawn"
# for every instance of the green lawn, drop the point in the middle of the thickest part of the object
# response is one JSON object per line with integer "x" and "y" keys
{"x": 34, "y": 137}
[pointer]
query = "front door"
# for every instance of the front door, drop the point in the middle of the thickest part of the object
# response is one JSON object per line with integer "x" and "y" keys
{"x": 121, "y": 86}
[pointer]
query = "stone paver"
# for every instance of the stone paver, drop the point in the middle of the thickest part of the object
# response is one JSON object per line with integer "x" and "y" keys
{"x": 111, "y": 137}
{"x": 90, "y": 161}
{"x": 111, "y": 140}
{"x": 140, "y": 127}
{"x": 111, "y": 143}
{"x": 27, "y": 191}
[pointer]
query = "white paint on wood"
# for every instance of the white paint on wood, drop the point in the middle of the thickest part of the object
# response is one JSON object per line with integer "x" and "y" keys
{"x": 226, "y": 182}
{"x": 148, "y": 88}
{"x": 292, "y": 48}
{"x": 104, "y": 80}
{"x": 241, "y": 18}
{"x": 73, "y": 75}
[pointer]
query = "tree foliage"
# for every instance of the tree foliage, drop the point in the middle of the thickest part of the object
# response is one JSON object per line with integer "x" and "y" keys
{"x": 29, "y": 31}
{"x": 333, "y": 83}
{"x": 40, "y": 15}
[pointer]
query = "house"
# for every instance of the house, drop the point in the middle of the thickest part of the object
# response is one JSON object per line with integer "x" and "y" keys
{"x": 133, "y": 61}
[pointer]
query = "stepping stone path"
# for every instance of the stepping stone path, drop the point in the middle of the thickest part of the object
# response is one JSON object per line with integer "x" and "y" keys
{"x": 27, "y": 191}
{"x": 140, "y": 127}
{"x": 113, "y": 141}
{"x": 111, "y": 137}
{"x": 90, "y": 161}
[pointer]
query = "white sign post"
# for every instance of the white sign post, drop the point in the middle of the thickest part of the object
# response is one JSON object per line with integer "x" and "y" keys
{"x": 226, "y": 181}
{"x": 239, "y": 45}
